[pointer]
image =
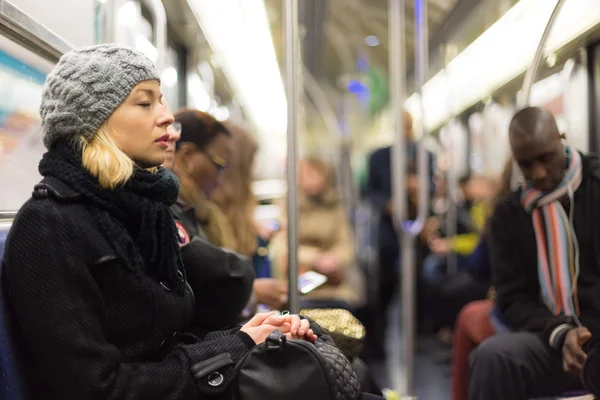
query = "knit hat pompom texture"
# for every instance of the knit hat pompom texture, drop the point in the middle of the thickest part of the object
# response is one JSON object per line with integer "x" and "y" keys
{"x": 86, "y": 87}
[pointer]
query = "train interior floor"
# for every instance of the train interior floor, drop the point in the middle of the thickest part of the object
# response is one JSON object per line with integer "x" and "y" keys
{"x": 432, "y": 369}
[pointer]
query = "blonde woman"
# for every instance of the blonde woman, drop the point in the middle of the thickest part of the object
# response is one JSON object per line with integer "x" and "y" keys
{"x": 92, "y": 270}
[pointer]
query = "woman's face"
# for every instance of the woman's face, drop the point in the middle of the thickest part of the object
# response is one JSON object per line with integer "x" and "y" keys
{"x": 206, "y": 166}
{"x": 139, "y": 125}
{"x": 310, "y": 179}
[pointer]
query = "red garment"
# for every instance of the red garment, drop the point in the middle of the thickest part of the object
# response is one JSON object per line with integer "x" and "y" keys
{"x": 472, "y": 327}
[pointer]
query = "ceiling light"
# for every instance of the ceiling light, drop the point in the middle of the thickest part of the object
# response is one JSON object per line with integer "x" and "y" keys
{"x": 169, "y": 77}
{"x": 238, "y": 33}
{"x": 221, "y": 113}
{"x": 501, "y": 53}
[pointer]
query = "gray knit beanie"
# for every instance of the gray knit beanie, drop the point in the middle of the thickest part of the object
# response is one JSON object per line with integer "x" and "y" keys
{"x": 86, "y": 87}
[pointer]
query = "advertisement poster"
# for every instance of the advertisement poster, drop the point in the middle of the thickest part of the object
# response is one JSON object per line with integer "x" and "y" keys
{"x": 21, "y": 144}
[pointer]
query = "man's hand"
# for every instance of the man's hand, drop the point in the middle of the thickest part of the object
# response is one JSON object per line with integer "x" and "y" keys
{"x": 440, "y": 246}
{"x": 573, "y": 354}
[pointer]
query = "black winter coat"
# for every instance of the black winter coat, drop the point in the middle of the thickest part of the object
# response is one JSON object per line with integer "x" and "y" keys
{"x": 92, "y": 328}
{"x": 222, "y": 280}
{"x": 514, "y": 260}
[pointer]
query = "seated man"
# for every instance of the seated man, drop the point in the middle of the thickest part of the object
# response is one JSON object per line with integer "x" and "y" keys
{"x": 545, "y": 267}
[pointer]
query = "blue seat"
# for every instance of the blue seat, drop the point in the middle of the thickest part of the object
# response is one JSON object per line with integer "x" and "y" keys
{"x": 500, "y": 326}
{"x": 12, "y": 381}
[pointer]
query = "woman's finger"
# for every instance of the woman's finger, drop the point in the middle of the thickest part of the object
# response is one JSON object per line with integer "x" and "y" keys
{"x": 276, "y": 320}
{"x": 295, "y": 320}
{"x": 259, "y": 319}
{"x": 304, "y": 327}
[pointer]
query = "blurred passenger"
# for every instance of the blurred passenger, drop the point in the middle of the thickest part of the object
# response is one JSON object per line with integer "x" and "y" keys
{"x": 324, "y": 238}
{"x": 234, "y": 193}
{"x": 378, "y": 192}
{"x": 92, "y": 271}
{"x": 449, "y": 290}
{"x": 234, "y": 196}
{"x": 203, "y": 154}
{"x": 544, "y": 241}
{"x": 470, "y": 219}
{"x": 473, "y": 324}
{"x": 217, "y": 276}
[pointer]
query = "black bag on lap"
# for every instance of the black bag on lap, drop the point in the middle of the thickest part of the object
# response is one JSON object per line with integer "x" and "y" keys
{"x": 281, "y": 369}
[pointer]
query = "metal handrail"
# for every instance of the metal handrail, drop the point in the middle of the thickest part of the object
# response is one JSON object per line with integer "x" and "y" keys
{"x": 292, "y": 63}
{"x": 29, "y": 33}
{"x": 4, "y": 215}
{"x": 421, "y": 68}
{"x": 398, "y": 94}
{"x": 533, "y": 70}
{"x": 409, "y": 231}
{"x": 531, "y": 75}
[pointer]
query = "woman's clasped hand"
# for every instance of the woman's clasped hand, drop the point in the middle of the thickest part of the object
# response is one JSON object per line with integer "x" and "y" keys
{"x": 263, "y": 324}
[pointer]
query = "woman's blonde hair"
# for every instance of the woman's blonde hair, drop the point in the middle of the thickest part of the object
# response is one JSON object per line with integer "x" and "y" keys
{"x": 103, "y": 159}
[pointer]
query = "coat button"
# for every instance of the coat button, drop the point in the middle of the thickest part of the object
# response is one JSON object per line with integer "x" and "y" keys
{"x": 215, "y": 379}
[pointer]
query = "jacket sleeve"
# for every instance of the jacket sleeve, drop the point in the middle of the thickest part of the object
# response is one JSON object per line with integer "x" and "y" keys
{"x": 516, "y": 284}
{"x": 62, "y": 319}
{"x": 479, "y": 261}
{"x": 218, "y": 277}
{"x": 307, "y": 255}
{"x": 465, "y": 243}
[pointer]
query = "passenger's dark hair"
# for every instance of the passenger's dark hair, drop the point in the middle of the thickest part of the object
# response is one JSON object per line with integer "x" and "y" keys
{"x": 199, "y": 128}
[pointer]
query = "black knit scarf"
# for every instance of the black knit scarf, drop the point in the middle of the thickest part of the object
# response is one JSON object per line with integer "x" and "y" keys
{"x": 135, "y": 218}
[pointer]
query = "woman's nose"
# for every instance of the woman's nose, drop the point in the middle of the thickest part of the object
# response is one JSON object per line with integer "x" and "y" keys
{"x": 165, "y": 118}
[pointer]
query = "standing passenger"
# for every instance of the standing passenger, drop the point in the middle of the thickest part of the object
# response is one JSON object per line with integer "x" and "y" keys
{"x": 378, "y": 193}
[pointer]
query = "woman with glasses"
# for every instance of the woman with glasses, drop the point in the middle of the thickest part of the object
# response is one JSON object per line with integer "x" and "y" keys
{"x": 201, "y": 157}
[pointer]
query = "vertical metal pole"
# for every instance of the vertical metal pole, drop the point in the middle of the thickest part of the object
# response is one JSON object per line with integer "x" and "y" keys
{"x": 292, "y": 66}
{"x": 421, "y": 69}
{"x": 398, "y": 88}
{"x": 452, "y": 195}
